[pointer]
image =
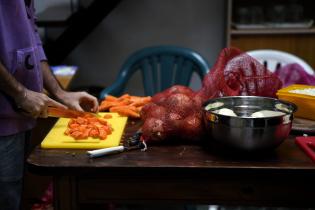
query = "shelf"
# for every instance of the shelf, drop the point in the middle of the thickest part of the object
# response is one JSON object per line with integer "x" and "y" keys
{"x": 272, "y": 31}
{"x": 297, "y": 38}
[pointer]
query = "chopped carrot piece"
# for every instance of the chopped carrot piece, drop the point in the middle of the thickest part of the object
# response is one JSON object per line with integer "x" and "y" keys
{"x": 74, "y": 125}
{"x": 67, "y": 132}
{"x": 128, "y": 112}
{"x": 94, "y": 133}
{"x": 126, "y": 95}
{"x": 111, "y": 98}
{"x": 87, "y": 126}
{"x": 117, "y": 108}
{"x": 81, "y": 120}
{"x": 102, "y": 121}
{"x": 107, "y": 116}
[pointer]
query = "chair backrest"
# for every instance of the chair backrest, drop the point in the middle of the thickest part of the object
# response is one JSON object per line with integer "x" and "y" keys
{"x": 274, "y": 59}
{"x": 161, "y": 67}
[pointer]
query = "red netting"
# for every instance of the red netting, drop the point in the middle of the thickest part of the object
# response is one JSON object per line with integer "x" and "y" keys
{"x": 237, "y": 73}
{"x": 176, "y": 112}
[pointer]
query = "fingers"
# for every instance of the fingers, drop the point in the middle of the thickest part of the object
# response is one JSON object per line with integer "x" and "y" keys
{"x": 40, "y": 110}
{"x": 35, "y": 113}
{"x": 25, "y": 113}
{"x": 89, "y": 100}
{"x": 43, "y": 114}
{"x": 36, "y": 105}
{"x": 50, "y": 103}
{"x": 77, "y": 107}
{"x": 81, "y": 101}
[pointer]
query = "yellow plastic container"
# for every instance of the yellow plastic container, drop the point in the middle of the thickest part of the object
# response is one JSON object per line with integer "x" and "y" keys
{"x": 304, "y": 102}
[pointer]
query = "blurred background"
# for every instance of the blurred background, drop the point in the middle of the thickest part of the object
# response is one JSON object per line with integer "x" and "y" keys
{"x": 127, "y": 26}
{"x": 98, "y": 36}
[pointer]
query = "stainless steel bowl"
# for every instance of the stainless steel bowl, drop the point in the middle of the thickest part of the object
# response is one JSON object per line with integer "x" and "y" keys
{"x": 244, "y": 131}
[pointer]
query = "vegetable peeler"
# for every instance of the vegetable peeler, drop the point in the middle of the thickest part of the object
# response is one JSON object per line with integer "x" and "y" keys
{"x": 307, "y": 144}
{"x": 134, "y": 142}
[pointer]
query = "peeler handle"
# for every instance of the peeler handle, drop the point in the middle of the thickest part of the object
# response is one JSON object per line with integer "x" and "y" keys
{"x": 105, "y": 151}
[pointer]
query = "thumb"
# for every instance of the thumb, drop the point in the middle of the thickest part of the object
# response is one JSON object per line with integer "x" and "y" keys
{"x": 77, "y": 107}
{"x": 54, "y": 103}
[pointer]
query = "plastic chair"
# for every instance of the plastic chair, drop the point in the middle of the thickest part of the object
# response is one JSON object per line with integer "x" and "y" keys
{"x": 274, "y": 59}
{"x": 161, "y": 67}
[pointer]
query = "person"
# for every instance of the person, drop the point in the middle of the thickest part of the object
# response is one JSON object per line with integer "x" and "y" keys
{"x": 24, "y": 73}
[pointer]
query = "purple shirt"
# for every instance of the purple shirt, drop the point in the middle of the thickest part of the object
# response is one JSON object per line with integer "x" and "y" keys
{"x": 20, "y": 52}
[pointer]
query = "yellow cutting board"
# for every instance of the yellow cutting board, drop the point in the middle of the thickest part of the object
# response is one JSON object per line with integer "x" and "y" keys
{"x": 56, "y": 139}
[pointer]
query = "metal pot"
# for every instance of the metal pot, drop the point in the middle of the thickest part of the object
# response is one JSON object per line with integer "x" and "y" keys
{"x": 244, "y": 131}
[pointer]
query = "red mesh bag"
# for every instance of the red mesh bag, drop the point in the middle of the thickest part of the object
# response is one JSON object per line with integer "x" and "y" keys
{"x": 237, "y": 73}
{"x": 294, "y": 73}
{"x": 176, "y": 112}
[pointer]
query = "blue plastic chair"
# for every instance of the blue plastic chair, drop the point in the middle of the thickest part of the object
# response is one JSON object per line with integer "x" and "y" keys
{"x": 161, "y": 67}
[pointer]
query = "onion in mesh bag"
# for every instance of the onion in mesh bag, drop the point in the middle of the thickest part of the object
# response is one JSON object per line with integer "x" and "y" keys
{"x": 169, "y": 113}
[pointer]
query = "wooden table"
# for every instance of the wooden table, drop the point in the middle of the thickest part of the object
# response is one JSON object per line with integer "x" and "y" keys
{"x": 179, "y": 173}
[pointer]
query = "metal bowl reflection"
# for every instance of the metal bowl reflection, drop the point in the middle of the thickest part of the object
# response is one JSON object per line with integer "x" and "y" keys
{"x": 241, "y": 128}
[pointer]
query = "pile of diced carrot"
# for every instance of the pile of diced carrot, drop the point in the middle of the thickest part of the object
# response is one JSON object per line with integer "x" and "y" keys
{"x": 84, "y": 127}
{"x": 125, "y": 105}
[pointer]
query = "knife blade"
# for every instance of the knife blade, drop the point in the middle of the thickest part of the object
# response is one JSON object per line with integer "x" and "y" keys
{"x": 68, "y": 113}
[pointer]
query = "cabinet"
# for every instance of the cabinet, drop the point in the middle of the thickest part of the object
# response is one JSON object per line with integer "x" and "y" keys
{"x": 273, "y": 24}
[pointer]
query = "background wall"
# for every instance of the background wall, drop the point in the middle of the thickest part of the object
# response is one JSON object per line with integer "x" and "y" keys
{"x": 134, "y": 24}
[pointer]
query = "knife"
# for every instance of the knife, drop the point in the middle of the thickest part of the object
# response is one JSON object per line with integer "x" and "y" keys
{"x": 68, "y": 113}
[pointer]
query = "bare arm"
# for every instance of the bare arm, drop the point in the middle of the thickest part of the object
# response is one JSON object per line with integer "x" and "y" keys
{"x": 9, "y": 85}
{"x": 50, "y": 82}
{"x": 75, "y": 100}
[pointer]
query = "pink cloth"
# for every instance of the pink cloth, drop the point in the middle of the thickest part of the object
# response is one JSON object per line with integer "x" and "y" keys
{"x": 294, "y": 74}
